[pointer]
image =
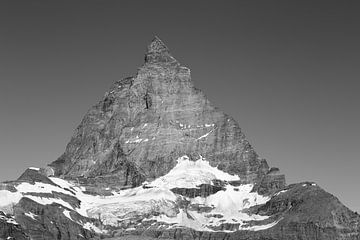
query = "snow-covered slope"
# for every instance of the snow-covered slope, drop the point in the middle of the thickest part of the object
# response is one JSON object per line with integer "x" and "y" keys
{"x": 190, "y": 174}
{"x": 156, "y": 201}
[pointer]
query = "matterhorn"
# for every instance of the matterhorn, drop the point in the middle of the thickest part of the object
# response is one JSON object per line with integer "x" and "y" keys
{"x": 155, "y": 159}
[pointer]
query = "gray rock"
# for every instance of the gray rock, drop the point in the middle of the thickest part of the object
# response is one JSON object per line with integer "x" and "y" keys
{"x": 135, "y": 134}
{"x": 144, "y": 123}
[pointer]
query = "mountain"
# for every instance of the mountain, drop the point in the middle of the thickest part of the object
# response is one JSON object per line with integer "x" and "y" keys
{"x": 146, "y": 122}
{"x": 154, "y": 159}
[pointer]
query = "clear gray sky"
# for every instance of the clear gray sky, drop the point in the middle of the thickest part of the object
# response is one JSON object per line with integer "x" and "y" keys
{"x": 288, "y": 71}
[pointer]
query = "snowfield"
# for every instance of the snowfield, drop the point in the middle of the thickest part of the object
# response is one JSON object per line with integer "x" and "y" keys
{"x": 226, "y": 206}
{"x": 190, "y": 174}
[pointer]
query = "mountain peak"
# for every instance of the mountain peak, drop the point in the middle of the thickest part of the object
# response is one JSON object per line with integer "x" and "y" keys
{"x": 158, "y": 52}
{"x": 157, "y": 46}
{"x": 156, "y": 159}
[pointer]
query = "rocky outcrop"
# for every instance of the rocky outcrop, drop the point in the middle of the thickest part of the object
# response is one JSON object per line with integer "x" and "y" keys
{"x": 49, "y": 222}
{"x": 10, "y": 229}
{"x": 34, "y": 175}
{"x": 203, "y": 190}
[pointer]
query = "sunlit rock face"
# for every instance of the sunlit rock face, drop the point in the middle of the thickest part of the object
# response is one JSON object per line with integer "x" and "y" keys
{"x": 146, "y": 122}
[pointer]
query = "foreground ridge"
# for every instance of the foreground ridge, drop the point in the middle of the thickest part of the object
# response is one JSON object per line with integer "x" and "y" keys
{"x": 154, "y": 159}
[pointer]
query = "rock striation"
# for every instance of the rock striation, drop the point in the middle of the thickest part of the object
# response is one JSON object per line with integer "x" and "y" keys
{"x": 154, "y": 159}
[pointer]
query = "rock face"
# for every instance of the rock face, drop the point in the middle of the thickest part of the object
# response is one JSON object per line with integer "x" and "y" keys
{"x": 144, "y": 123}
{"x": 154, "y": 159}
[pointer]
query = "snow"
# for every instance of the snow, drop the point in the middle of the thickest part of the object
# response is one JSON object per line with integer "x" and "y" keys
{"x": 183, "y": 220}
{"x": 12, "y": 221}
{"x": 201, "y": 222}
{"x": 157, "y": 196}
{"x": 34, "y": 168}
{"x": 190, "y": 174}
{"x": 62, "y": 183}
{"x": 31, "y": 215}
{"x": 115, "y": 208}
{"x": 188, "y": 126}
{"x": 92, "y": 227}
{"x": 229, "y": 203}
{"x": 261, "y": 227}
{"x": 136, "y": 140}
{"x": 282, "y": 191}
{"x": 39, "y": 187}
{"x": 9, "y": 220}
{"x": 111, "y": 208}
{"x": 183, "y": 125}
{"x": 67, "y": 214}
{"x": 205, "y": 135}
{"x": 8, "y": 199}
{"x": 48, "y": 201}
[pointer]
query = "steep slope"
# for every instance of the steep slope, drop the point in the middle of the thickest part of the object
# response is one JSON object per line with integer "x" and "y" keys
{"x": 144, "y": 123}
{"x": 154, "y": 159}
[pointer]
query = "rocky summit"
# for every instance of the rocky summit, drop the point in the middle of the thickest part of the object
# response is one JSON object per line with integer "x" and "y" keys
{"x": 155, "y": 159}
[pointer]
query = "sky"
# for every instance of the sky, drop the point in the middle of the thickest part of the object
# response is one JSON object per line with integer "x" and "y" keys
{"x": 287, "y": 71}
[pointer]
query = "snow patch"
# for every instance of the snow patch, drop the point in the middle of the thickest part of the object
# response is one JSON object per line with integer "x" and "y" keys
{"x": 261, "y": 227}
{"x": 113, "y": 209}
{"x": 8, "y": 199}
{"x": 31, "y": 215}
{"x": 39, "y": 187}
{"x": 183, "y": 220}
{"x": 231, "y": 201}
{"x": 48, "y": 201}
{"x": 282, "y": 191}
{"x": 92, "y": 227}
{"x": 10, "y": 220}
{"x": 229, "y": 204}
{"x": 34, "y": 168}
{"x": 205, "y": 135}
{"x": 136, "y": 140}
{"x": 190, "y": 174}
{"x": 67, "y": 214}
